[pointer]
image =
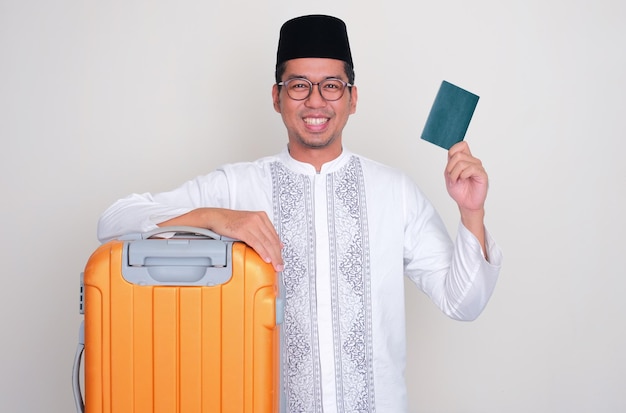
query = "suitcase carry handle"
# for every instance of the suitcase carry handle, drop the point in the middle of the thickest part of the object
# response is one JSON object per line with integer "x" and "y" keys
{"x": 183, "y": 230}
{"x": 78, "y": 396}
{"x": 178, "y": 231}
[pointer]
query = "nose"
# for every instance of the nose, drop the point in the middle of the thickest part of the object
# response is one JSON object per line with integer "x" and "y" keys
{"x": 315, "y": 98}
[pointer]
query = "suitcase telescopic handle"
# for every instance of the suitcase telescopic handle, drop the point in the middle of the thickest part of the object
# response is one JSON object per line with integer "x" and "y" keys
{"x": 192, "y": 256}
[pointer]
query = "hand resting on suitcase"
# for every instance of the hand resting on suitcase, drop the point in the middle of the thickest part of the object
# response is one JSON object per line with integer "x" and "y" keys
{"x": 252, "y": 227}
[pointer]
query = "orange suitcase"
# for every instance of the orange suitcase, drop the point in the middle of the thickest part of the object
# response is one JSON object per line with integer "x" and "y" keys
{"x": 188, "y": 324}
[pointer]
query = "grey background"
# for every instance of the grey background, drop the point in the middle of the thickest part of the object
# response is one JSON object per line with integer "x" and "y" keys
{"x": 101, "y": 99}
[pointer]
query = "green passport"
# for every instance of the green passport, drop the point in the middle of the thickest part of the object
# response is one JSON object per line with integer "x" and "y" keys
{"x": 450, "y": 115}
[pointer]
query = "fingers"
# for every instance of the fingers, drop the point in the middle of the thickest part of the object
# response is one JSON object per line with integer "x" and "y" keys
{"x": 255, "y": 229}
{"x": 264, "y": 240}
{"x": 459, "y": 147}
{"x": 462, "y": 165}
{"x": 466, "y": 178}
{"x": 461, "y": 169}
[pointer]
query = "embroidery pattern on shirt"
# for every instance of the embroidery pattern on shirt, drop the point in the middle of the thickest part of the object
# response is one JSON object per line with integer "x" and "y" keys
{"x": 293, "y": 216}
{"x": 351, "y": 289}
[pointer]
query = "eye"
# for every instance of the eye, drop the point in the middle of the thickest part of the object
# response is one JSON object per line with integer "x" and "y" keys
{"x": 298, "y": 85}
{"x": 332, "y": 85}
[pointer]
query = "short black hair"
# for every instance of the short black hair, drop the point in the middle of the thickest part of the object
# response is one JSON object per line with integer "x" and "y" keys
{"x": 280, "y": 71}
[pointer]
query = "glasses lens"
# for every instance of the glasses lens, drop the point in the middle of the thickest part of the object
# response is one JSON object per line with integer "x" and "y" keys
{"x": 298, "y": 89}
{"x": 332, "y": 89}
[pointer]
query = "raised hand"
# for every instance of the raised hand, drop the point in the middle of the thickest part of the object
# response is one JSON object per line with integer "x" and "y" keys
{"x": 466, "y": 179}
{"x": 467, "y": 184}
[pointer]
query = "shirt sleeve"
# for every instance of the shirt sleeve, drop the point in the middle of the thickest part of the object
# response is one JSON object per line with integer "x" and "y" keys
{"x": 142, "y": 212}
{"x": 471, "y": 276}
{"x": 456, "y": 276}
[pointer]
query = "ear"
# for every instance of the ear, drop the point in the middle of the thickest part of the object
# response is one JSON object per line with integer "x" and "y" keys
{"x": 354, "y": 96}
{"x": 276, "y": 97}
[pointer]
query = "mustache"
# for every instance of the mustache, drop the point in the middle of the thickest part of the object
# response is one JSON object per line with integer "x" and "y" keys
{"x": 317, "y": 114}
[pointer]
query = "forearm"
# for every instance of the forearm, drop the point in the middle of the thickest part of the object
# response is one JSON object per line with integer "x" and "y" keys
{"x": 145, "y": 212}
{"x": 199, "y": 217}
{"x": 471, "y": 279}
{"x": 135, "y": 213}
{"x": 459, "y": 281}
{"x": 252, "y": 227}
{"x": 474, "y": 221}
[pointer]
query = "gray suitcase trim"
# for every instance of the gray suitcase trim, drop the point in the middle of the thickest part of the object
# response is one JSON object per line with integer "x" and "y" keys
{"x": 189, "y": 257}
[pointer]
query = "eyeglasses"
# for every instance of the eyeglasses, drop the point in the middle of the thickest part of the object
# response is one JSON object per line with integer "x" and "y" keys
{"x": 300, "y": 89}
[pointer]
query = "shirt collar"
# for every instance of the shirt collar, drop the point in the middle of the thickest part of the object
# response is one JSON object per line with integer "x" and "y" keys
{"x": 308, "y": 169}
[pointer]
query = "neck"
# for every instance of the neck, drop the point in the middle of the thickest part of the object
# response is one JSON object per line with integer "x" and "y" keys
{"x": 316, "y": 157}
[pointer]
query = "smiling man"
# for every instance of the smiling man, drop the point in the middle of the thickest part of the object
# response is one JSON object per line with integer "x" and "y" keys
{"x": 343, "y": 229}
{"x": 315, "y": 102}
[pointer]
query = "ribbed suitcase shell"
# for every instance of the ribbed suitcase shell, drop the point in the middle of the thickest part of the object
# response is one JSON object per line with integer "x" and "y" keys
{"x": 180, "y": 349}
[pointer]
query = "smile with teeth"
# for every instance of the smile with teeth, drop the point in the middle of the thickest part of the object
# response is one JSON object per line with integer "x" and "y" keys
{"x": 315, "y": 121}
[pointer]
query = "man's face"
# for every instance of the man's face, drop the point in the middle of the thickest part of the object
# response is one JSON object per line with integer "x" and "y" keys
{"x": 314, "y": 123}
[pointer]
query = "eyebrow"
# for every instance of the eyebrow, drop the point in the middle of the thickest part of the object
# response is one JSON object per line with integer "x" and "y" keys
{"x": 294, "y": 76}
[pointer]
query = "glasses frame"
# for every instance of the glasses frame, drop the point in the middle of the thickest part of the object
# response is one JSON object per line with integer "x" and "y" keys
{"x": 319, "y": 87}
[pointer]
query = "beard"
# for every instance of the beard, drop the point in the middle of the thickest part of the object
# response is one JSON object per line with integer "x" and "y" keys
{"x": 315, "y": 142}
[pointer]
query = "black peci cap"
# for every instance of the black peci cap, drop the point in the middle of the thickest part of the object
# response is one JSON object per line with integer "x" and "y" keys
{"x": 314, "y": 36}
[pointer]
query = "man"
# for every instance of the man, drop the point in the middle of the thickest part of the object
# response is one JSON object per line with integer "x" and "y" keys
{"x": 343, "y": 230}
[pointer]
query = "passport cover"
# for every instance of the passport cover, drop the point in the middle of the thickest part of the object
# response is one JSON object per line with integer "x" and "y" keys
{"x": 449, "y": 116}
